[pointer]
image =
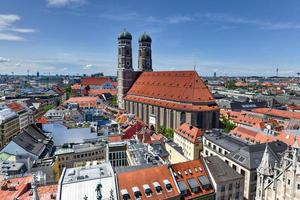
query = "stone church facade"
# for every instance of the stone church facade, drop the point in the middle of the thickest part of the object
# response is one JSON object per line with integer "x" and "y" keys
{"x": 163, "y": 98}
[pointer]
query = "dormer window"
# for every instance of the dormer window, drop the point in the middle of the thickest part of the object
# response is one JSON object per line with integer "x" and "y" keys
{"x": 125, "y": 194}
{"x": 147, "y": 190}
{"x": 137, "y": 193}
{"x": 157, "y": 187}
{"x": 168, "y": 185}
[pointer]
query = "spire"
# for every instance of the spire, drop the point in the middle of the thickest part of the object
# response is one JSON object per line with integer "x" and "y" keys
{"x": 265, "y": 167}
{"x": 34, "y": 188}
{"x": 295, "y": 145}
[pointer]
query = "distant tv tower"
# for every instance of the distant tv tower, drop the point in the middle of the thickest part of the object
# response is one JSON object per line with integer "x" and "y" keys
{"x": 277, "y": 71}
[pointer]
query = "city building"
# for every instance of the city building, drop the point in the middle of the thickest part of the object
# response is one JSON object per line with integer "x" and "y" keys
{"x": 91, "y": 183}
{"x": 14, "y": 188}
{"x": 189, "y": 138}
{"x": 240, "y": 155}
{"x": 193, "y": 180}
{"x": 227, "y": 182}
{"x": 9, "y": 125}
{"x": 31, "y": 142}
{"x": 165, "y": 98}
{"x": 117, "y": 151}
{"x": 24, "y": 116}
{"x": 279, "y": 179}
{"x": 175, "y": 152}
{"x": 84, "y": 102}
{"x": 72, "y": 155}
{"x": 156, "y": 182}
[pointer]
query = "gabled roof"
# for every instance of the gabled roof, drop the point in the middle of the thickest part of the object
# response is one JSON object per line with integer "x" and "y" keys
{"x": 13, "y": 188}
{"x": 94, "y": 81}
{"x": 192, "y": 174}
{"x": 250, "y": 156}
{"x": 278, "y": 113}
{"x": 17, "y": 107}
{"x": 181, "y": 86}
{"x": 151, "y": 176}
{"x": 190, "y": 133}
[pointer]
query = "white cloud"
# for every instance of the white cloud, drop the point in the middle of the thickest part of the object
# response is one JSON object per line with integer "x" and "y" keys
{"x": 3, "y": 60}
{"x": 179, "y": 19}
{"x": 63, "y": 3}
{"x": 8, "y": 31}
{"x": 88, "y": 66}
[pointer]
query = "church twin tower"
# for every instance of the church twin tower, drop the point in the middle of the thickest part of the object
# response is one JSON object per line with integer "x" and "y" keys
{"x": 126, "y": 74}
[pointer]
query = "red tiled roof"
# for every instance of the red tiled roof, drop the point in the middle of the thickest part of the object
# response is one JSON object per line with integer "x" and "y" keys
{"x": 243, "y": 118}
{"x": 171, "y": 104}
{"x": 115, "y": 138}
{"x": 17, "y": 107}
{"x": 46, "y": 192}
{"x": 140, "y": 177}
{"x": 84, "y": 101}
{"x": 278, "y": 113}
{"x": 132, "y": 129}
{"x": 76, "y": 86}
{"x": 42, "y": 120}
{"x": 95, "y": 80}
{"x": 13, "y": 188}
{"x": 197, "y": 169}
{"x": 247, "y": 134}
{"x": 189, "y": 132}
{"x": 181, "y": 86}
{"x": 95, "y": 92}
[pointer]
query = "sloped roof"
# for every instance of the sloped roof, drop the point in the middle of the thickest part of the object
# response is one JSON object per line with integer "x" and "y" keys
{"x": 95, "y": 80}
{"x": 278, "y": 113}
{"x": 45, "y": 192}
{"x": 21, "y": 186}
{"x": 250, "y": 156}
{"x": 181, "y": 86}
{"x": 17, "y": 107}
{"x": 95, "y": 92}
{"x": 190, "y": 133}
{"x": 128, "y": 180}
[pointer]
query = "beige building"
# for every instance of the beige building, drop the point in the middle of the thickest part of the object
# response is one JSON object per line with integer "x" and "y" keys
{"x": 281, "y": 181}
{"x": 176, "y": 154}
{"x": 79, "y": 154}
{"x": 189, "y": 138}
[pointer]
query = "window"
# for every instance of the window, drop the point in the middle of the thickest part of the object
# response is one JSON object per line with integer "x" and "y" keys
{"x": 237, "y": 185}
{"x": 298, "y": 187}
{"x": 227, "y": 162}
{"x": 234, "y": 166}
{"x": 220, "y": 150}
{"x": 243, "y": 172}
{"x": 223, "y": 188}
{"x": 237, "y": 195}
{"x": 214, "y": 147}
{"x": 222, "y": 197}
{"x": 289, "y": 181}
{"x": 230, "y": 186}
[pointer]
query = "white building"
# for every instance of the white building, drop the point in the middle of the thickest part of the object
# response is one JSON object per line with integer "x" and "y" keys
{"x": 281, "y": 181}
{"x": 87, "y": 183}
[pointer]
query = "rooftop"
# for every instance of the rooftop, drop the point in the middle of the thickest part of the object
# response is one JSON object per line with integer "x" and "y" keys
{"x": 278, "y": 113}
{"x": 220, "y": 171}
{"x": 152, "y": 183}
{"x": 76, "y": 183}
{"x": 14, "y": 188}
{"x": 46, "y": 192}
{"x": 78, "y": 148}
{"x": 191, "y": 133}
{"x": 192, "y": 179}
{"x": 95, "y": 80}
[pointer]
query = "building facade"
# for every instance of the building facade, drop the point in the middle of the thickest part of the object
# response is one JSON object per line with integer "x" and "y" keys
{"x": 279, "y": 180}
{"x": 165, "y": 98}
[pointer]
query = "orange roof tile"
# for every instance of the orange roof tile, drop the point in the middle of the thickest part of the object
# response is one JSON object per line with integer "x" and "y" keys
{"x": 95, "y": 81}
{"x": 76, "y": 86}
{"x": 140, "y": 177}
{"x": 17, "y": 107}
{"x": 171, "y": 104}
{"x": 13, "y": 188}
{"x": 95, "y": 92}
{"x": 84, "y": 101}
{"x": 115, "y": 138}
{"x": 42, "y": 120}
{"x": 46, "y": 192}
{"x": 278, "y": 113}
{"x": 181, "y": 86}
{"x": 189, "y": 132}
{"x": 192, "y": 170}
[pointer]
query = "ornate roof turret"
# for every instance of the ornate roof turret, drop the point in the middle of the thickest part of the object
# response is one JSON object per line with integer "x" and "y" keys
{"x": 265, "y": 167}
{"x": 125, "y": 35}
{"x": 145, "y": 38}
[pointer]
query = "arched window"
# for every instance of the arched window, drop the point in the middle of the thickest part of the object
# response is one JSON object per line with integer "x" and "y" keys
{"x": 182, "y": 117}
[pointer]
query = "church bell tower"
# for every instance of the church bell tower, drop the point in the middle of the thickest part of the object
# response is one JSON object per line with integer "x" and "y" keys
{"x": 145, "y": 54}
{"x": 125, "y": 70}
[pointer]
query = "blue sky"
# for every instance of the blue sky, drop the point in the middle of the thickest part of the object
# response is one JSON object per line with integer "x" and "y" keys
{"x": 230, "y": 37}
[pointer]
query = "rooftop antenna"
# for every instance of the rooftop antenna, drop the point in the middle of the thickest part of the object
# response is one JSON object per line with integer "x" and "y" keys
{"x": 277, "y": 71}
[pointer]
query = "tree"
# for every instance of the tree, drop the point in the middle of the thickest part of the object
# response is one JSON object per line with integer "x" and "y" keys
{"x": 228, "y": 126}
{"x": 230, "y": 84}
{"x": 167, "y": 132}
